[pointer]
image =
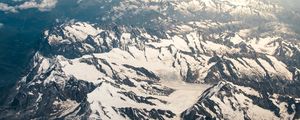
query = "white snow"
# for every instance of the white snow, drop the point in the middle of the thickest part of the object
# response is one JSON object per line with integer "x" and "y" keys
{"x": 78, "y": 31}
{"x": 81, "y": 71}
{"x": 180, "y": 44}
{"x": 236, "y": 39}
{"x": 263, "y": 45}
{"x": 185, "y": 96}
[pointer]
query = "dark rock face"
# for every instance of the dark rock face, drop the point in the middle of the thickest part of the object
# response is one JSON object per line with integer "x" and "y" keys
{"x": 142, "y": 99}
{"x": 137, "y": 114}
{"x": 208, "y": 106}
{"x": 143, "y": 71}
{"x": 104, "y": 41}
{"x": 265, "y": 83}
{"x": 78, "y": 89}
{"x": 38, "y": 99}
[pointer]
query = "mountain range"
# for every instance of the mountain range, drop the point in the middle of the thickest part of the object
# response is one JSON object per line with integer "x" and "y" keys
{"x": 154, "y": 59}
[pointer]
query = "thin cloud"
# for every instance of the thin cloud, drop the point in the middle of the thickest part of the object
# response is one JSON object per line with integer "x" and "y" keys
{"x": 1, "y": 25}
{"x": 44, "y": 5}
{"x": 6, "y": 8}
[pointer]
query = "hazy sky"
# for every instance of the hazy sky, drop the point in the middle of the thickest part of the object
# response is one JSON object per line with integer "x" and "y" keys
{"x": 294, "y": 4}
{"x": 48, "y": 4}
